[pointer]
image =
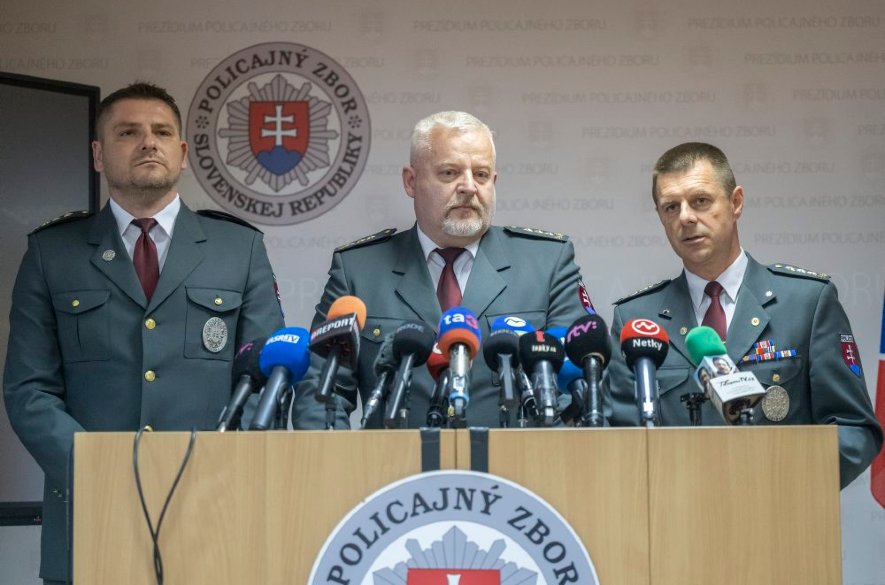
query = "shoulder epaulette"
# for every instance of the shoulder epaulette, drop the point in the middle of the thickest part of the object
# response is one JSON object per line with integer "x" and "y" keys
{"x": 788, "y": 270}
{"x": 535, "y": 233}
{"x": 644, "y": 291}
{"x": 64, "y": 218}
{"x": 224, "y": 216}
{"x": 381, "y": 236}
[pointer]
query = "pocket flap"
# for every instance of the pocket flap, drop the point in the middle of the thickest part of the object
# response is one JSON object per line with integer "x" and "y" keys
{"x": 215, "y": 299}
{"x": 79, "y": 301}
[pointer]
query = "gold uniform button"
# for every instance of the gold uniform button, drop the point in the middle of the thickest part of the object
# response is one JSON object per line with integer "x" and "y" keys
{"x": 755, "y": 321}
{"x": 376, "y": 332}
{"x": 150, "y": 376}
{"x": 776, "y": 378}
{"x": 218, "y": 300}
{"x": 75, "y": 303}
{"x": 150, "y": 323}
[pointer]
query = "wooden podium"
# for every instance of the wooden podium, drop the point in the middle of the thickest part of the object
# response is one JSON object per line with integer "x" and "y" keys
{"x": 755, "y": 505}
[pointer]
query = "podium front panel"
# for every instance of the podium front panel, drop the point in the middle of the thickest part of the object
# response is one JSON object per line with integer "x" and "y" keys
{"x": 743, "y": 505}
{"x": 250, "y": 507}
{"x": 596, "y": 478}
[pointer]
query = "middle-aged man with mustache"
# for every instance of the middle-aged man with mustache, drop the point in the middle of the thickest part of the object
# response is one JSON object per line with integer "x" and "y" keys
{"x": 783, "y": 323}
{"x": 499, "y": 271}
{"x": 129, "y": 318}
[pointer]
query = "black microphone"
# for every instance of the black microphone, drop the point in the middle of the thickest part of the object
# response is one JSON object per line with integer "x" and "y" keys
{"x": 384, "y": 366}
{"x": 337, "y": 339}
{"x": 501, "y": 351}
{"x": 438, "y": 367}
{"x": 542, "y": 354}
{"x": 587, "y": 343}
{"x": 412, "y": 344}
{"x": 645, "y": 345}
{"x": 249, "y": 378}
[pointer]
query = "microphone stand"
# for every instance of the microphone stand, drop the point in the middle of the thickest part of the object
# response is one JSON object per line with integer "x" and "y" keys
{"x": 693, "y": 402}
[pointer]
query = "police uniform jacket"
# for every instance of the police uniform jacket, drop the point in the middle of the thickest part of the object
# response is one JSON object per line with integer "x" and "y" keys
{"x": 793, "y": 309}
{"x": 517, "y": 271}
{"x": 87, "y": 351}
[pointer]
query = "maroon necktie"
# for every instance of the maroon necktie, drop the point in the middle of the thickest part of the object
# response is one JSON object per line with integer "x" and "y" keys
{"x": 147, "y": 265}
{"x": 715, "y": 315}
{"x": 447, "y": 291}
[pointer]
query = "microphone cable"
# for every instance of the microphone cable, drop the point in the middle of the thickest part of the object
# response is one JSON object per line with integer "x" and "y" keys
{"x": 155, "y": 533}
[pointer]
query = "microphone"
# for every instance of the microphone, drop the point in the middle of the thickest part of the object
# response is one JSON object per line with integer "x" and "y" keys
{"x": 588, "y": 343}
{"x": 459, "y": 337}
{"x": 438, "y": 366}
{"x": 732, "y": 392}
{"x": 571, "y": 384}
{"x": 645, "y": 345}
{"x": 526, "y": 400}
{"x": 501, "y": 351}
{"x": 337, "y": 339}
{"x": 514, "y": 323}
{"x": 384, "y": 366}
{"x": 249, "y": 378}
{"x": 284, "y": 360}
{"x": 542, "y": 354}
{"x": 412, "y": 343}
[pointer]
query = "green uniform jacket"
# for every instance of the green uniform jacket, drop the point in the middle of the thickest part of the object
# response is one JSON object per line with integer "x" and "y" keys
{"x": 527, "y": 273}
{"x": 792, "y": 308}
{"x": 82, "y": 337}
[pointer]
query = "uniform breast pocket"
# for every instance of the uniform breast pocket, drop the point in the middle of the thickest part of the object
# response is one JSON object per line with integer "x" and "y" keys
{"x": 83, "y": 325}
{"x": 211, "y": 328}
{"x": 775, "y": 372}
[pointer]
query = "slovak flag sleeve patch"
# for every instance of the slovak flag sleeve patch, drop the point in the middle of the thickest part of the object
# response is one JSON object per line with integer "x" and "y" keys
{"x": 850, "y": 354}
{"x": 584, "y": 297}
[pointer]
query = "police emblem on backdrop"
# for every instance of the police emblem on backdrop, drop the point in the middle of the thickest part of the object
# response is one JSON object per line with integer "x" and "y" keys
{"x": 453, "y": 528}
{"x": 279, "y": 133}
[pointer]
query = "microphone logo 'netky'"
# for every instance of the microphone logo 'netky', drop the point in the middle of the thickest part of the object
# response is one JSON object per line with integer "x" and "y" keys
{"x": 645, "y": 342}
{"x": 645, "y": 327}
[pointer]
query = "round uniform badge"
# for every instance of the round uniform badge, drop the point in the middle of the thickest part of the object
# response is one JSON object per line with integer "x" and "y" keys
{"x": 279, "y": 133}
{"x": 214, "y": 334}
{"x": 776, "y": 403}
{"x": 108, "y": 255}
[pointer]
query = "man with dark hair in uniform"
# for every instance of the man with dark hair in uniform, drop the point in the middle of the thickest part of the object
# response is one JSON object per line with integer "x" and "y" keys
{"x": 784, "y": 324}
{"x": 129, "y": 318}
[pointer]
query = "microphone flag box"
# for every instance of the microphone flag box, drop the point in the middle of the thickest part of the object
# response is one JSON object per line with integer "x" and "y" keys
{"x": 731, "y": 390}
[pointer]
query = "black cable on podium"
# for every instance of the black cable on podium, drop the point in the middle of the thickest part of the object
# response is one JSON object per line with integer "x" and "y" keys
{"x": 155, "y": 533}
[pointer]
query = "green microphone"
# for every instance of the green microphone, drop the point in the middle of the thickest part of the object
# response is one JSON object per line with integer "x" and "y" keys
{"x": 704, "y": 342}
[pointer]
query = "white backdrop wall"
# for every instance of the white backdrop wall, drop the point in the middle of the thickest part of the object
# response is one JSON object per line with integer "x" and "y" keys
{"x": 583, "y": 97}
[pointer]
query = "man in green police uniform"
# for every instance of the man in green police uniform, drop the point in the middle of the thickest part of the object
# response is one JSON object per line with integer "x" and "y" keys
{"x": 97, "y": 344}
{"x": 500, "y": 271}
{"x": 784, "y": 324}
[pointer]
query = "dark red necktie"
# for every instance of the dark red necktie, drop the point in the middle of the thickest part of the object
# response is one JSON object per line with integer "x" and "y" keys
{"x": 447, "y": 291}
{"x": 144, "y": 256}
{"x": 715, "y": 315}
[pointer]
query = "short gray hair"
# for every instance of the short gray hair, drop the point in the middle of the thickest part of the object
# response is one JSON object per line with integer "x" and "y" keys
{"x": 461, "y": 121}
